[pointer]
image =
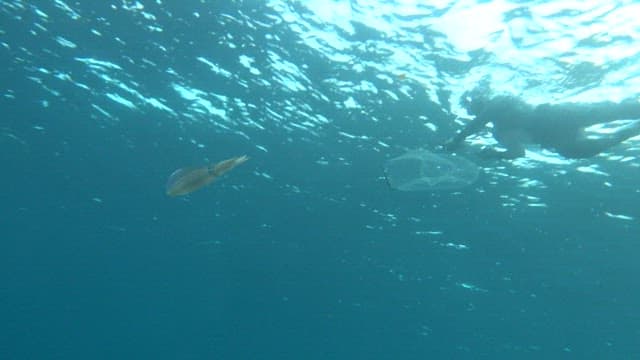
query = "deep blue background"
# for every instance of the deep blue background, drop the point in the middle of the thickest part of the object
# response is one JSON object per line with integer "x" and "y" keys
{"x": 251, "y": 269}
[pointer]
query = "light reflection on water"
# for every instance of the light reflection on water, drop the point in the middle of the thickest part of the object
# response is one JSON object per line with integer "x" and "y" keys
{"x": 373, "y": 77}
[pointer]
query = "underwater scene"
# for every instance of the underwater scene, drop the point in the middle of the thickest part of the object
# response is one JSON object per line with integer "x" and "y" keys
{"x": 319, "y": 179}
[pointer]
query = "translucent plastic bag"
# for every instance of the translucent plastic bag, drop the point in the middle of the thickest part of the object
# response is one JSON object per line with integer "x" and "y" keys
{"x": 422, "y": 170}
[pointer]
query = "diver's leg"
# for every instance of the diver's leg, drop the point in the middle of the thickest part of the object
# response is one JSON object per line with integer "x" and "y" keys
{"x": 587, "y": 146}
{"x": 585, "y": 115}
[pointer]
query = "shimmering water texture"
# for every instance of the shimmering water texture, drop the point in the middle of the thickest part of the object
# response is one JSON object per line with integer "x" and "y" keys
{"x": 422, "y": 170}
{"x": 303, "y": 252}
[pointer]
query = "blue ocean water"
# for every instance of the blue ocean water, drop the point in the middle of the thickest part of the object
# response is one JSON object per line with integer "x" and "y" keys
{"x": 304, "y": 252}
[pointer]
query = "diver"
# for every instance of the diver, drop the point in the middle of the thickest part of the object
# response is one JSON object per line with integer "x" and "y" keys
{"x": 556, "y": 127}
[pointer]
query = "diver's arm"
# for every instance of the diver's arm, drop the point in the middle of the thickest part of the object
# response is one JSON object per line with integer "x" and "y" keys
{"x": 473, "y": 127}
